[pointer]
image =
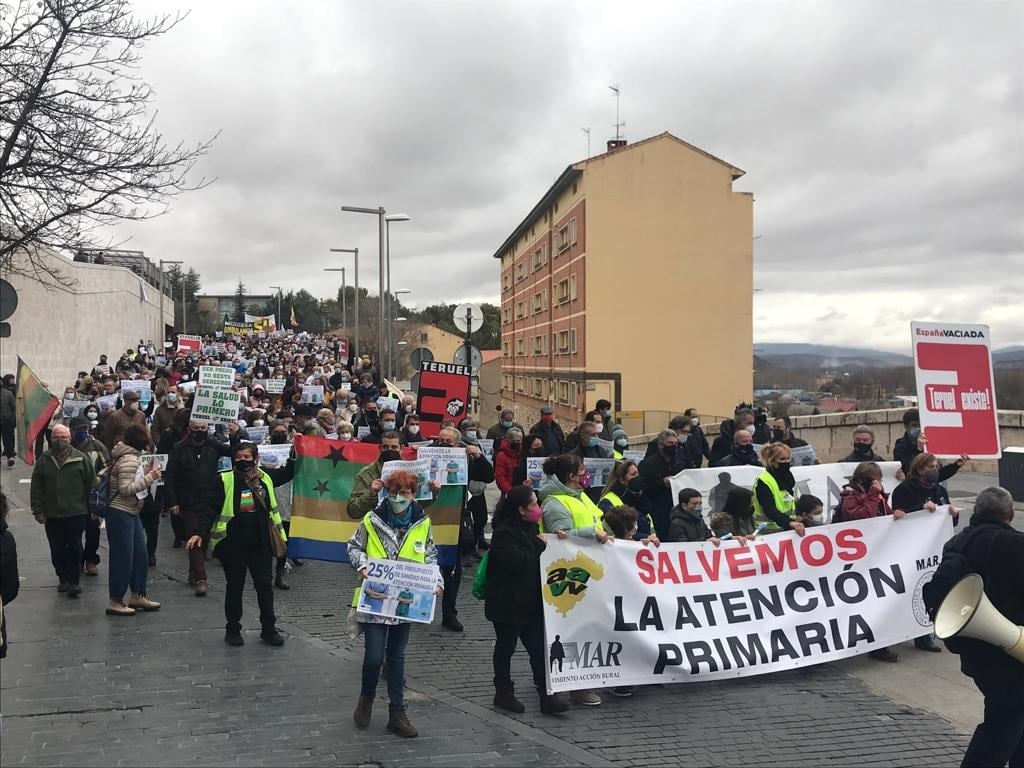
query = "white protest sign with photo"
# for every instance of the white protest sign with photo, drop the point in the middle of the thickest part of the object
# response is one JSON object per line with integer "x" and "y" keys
{"x": 825, "y": 481}
{"x": 313, "y": 394}
{"x": 535, "y": 470}
{"x": 399, "y": 590}
{"x": 71, "y": 408}
{"x": 362, "y": 432}
{"x": 257, "y": 434}
{"x": 388, "y": 402}
{"x": 216, "y": 376}
{"x": 275, "y": 456}
{"x": 448, "y": 466}
{"x": 106, "y": 402}
{"x": 487, "y": 447}
{"x": 275, "y": 386}
{"x": 420, "y": 468}
{"x": 143, "y": 387}
{"x": 160, "y": 460}
{"x": 598, "y": 471}
{"x": 636, "y": 456}
{"x": 631, "y": 614}
{"x": 217, "y": 406}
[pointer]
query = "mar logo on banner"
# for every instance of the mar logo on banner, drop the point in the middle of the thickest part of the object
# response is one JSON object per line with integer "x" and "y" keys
{"x": 956, "y": 389}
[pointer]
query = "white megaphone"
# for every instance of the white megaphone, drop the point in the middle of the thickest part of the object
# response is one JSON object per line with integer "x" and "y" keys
{"x": 966, "y": 612}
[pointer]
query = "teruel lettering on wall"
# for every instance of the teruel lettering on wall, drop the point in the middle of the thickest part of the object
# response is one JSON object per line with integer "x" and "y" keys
{"x": 956, "y": 389}
{"x": 628, "y": 614}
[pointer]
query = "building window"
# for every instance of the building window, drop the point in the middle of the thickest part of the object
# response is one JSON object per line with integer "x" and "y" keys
{"x": 540, "y": 345}
{"x": 540, "y": 301}
{"x": 563, "y": 238}
{"x": 565, "y": 290}
{"x": 506, "y": 349}
{"x": 574, "y": 187}
{"x": 538, "y": 388}
{"x": 540, "y": 258}
{"x": 506, "y": 281}
{"x": 506, "y": 315}
{"x": 563, "y": 342}
{"x": 520, "y": 310}
{"x": 572, "y": 231}
{"x": 521, "y": 385}
{"x": 424, "y": 338}
{"x": 520, "y": 271}
{"x": 521, "y": 348}
{"x": 563, "y": 391}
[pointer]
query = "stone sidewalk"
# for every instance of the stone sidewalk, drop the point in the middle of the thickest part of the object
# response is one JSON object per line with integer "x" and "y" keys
{"x": 79, "y": 688}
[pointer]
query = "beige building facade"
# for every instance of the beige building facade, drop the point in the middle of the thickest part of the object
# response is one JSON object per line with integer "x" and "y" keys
{"x": 631, "y": 280}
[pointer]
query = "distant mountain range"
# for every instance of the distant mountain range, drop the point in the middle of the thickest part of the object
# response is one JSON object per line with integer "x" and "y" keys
{"x": 817, "y": 356}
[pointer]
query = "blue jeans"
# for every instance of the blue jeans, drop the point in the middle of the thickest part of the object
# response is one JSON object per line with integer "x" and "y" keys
{"x": 128, "y": 559}
{"x": 389, "y": 640}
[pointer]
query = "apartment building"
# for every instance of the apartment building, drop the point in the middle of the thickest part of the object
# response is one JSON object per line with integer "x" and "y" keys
{"x": 631, "y": 279}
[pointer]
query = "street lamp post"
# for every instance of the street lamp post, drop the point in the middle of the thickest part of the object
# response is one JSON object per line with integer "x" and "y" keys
{"x": 163, "y": 332}
{"x": 277, "y": 323}
{"x": 355, "y": 252}
{"x": 391, "y": 330}
{"x": 381, "y": 251}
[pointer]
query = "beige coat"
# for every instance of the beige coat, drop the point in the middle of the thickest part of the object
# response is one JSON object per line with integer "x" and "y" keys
{"x": 123, "y": 485}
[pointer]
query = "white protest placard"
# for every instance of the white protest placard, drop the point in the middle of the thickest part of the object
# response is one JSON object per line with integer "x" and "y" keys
{"x": 160, "y": 460}
{"x": 388, "y": 402}
{"x": 631, "y": 614}
{"x": 420, "y": 468}
{"x": 362, "y": 432}
{"x": 106, "y": 402}
{"x": 825, "y": 481}
{"x": 275, "y": 456}
{"x": 399, "y": 590}
{"x": 143, "y": 387}
{"x": 598, "y": 471}
{"x": 216, "y": 376}
{"x": 189, "y": 343}
{"x": 448, "y": 466}
{"x": 313, "y": 394}
{"x": 217, "y": 406}
{"x": 636, "y": 456}
{"x": 71, "y": 408}
{"x": 535, "y": 470}
{"x": 802, "y": 455}
{"x": 487, "y": 448}
{"x": 608, "y": 445}
{"x": 187, "y": 387}
{"x": 275, "y": 386}
{"x": 257, "y": 434}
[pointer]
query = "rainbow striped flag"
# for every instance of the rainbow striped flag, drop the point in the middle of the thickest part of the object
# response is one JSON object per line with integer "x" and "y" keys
{"x": 34, "y": 405}
{"x": 325, "y": 471}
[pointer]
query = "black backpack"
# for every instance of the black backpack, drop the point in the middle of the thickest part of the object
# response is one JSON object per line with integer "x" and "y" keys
{"x": 102, "y": 494}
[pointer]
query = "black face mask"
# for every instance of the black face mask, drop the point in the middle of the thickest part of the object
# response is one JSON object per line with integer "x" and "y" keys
{"x": 746, "y": 450}
{"x": 279, "y": 438}
{"x": 862, "y": 449}
{"x": 244, "y": 465}
{"x": 370, "y": 417}
{"x": 198, "y": 436}
{"x": 390, "y": 455}
{"x": 778, "y": 435}
{"x": 635, "y": 486}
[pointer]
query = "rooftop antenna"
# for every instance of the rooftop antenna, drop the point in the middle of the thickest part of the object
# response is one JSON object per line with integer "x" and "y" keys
{"x": 618, "y": 125}
{"x": 587, "y": 131}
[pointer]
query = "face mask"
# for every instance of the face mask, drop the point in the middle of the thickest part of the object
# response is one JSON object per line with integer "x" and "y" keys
{"x": 695, "y": 422}
{"x": 818, "y": 519}
{"x": 471, "y": 433}
{"x": 930, "y": 476}
{"x": 390, "y": 455}
{"x": 547, "y": 418}
{"x": 413, "y": 429}
{"x": 635, "y": 486}
{"x": 134, "y": 406}
{"x": 198, "y": 436}
{"x": 69, "y": 396}
{"x": 592, "y": 442}
{"x": 171, "y": 398}
{"x": 79, "y": 437}
{"x": 533, "y": 514}
{"x": 345, "y": 436}
{"x": 506, "y": 424}
{"x": 388, "y": 424}
{"x": 279, "y": 438}
{"x": 61, "y": 444}
{"x": 778, "y": 435}
{"x": 783, "y": 465}
{"x": 669, "y": 450}
{"x": 353, "y": 408}
{"x": 400, "y": 507}
{"x": 516, "y": 446}
{"x": 244, "y": 466}
{"x": 607, "y": 414}
{"x": 750, "y": 430}
{"x": 862, "y": 449}
{"x": 258, "y": 423}
{"x": 915, "y": 433}
{"x": 370, "y": 416}
{"x": 745, "y": 450}
{"x": 621, "y": 442}
{"x": 92, "y": 416}
{"x": 409, "y": 409}
{"x": 327, "y": 425}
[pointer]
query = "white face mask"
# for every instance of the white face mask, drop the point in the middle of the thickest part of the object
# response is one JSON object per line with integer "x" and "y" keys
{"x": 819, "y": 518}
{"x": 345, "y": 436}
{"x": 750, "y": 429}
{"x": 414, "y": 429}
{"x": 257, "y": 422}
{"x": 353, "y": 407}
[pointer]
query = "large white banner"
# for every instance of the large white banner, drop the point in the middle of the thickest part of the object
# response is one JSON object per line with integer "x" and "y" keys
{"x": 825, "y": 481}
{"x": 623, "y": 613}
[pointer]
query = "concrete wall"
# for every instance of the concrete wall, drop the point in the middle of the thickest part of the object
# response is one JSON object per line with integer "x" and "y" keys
{"x": 60, "y": 330}
{"x": 832, "y": 434}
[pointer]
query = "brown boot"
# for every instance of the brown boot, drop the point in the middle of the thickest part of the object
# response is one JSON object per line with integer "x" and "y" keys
{"x": 363, "y": 711}
{"x": 505, "y": 698}
{"x": 553, "y": 704}
{"x": 200, "y": 587}
{"x": 398, "y": 722}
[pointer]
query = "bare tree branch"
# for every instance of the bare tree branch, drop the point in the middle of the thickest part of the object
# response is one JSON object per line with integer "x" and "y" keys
{"x": 79, "y": 148}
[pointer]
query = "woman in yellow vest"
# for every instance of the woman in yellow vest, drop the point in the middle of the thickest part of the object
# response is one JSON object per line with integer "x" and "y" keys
{"x": 398, "y": 529}
{"x": 624, "y": 489}
{"x": 568, "y": 511}
{"x": 775, "y": 490}
{"x": 239, "y": 525}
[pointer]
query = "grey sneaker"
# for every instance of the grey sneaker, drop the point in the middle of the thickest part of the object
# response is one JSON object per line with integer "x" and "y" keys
{"x": 586, "y": 698}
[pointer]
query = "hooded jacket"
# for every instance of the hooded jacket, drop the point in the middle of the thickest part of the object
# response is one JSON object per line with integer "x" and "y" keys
{"x": 684, "y": 525}
{"x": 123, "y": 482}
{"x": 722, "y": 446}
{"x": 62, "y": 490}
{"x": 555, "y": 514}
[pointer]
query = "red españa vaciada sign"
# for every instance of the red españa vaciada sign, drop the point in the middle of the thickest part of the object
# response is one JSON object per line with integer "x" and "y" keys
{"x": 955, "y": 389}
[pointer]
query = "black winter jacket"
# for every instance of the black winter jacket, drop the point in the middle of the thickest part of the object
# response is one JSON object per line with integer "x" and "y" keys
{"x": 513, "y": 594}
{"x": 192, "y": 476}
{"x": 687, "y": 526}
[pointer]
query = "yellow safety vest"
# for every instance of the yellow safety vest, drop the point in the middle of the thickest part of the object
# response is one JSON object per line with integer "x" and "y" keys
{"x": 617, "y": 454}
{"x": 784, "y": 501}
{"x": 413, "y": 548}
{"x": 220, "y": 527}
{"x": 585, "y": 513}
{"x": 614, "y": 498}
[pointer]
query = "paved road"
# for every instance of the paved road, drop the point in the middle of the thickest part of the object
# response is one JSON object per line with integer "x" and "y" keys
{"x": 79, "y": 688}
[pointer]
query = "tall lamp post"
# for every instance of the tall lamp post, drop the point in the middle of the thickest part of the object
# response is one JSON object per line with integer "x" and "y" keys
{"x": 355, "y": 252}
{"x": 163, "y": 330}
{"x": 391, "y": 329}
{"x": 387, "y": 249}
{"x": 277, "y": 323}
{"x": 381, "y": 251}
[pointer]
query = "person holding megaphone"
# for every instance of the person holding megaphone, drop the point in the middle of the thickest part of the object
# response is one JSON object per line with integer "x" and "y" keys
{"x": 991, "y": 549}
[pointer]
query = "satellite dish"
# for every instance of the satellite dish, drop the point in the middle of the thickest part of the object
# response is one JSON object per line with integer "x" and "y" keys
{"x": 421, "y": 355}
{"x": 476, "y": 317}
{"x": 477, "y": 360}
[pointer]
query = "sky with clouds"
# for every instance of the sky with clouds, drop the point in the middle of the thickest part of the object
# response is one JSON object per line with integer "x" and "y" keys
{"x": 884, "y": 142}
